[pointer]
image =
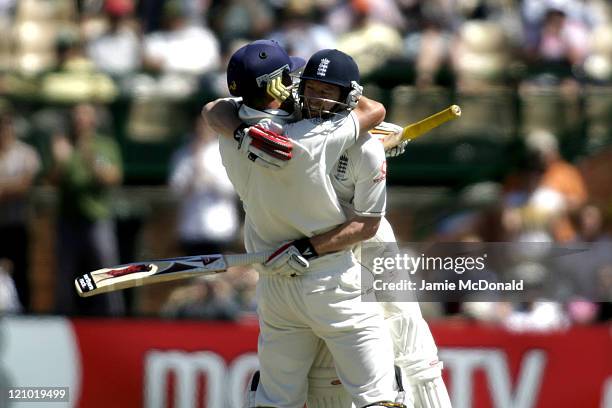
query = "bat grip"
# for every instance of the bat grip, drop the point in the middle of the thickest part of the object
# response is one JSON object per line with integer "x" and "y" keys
{"x": 247, "y": 259}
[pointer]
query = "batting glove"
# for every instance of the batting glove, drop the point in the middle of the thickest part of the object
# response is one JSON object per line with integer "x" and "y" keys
{"x": 389, "y": 130}
{"x": 397, "y": 150}
{"x": 291, "y": 259}
{"x": 263, "y": 146}
{"x": 354, "y": 95}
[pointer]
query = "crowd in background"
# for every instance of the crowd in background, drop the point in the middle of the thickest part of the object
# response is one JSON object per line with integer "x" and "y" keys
{"x": 177, "y": 46}
{"x": 84, "y": 55}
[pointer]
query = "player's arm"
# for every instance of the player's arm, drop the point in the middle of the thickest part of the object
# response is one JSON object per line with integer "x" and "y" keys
{"x": 221, "y": 116}
{"x": 357, "y": 229}
{"x": 263, "y": 143}
{"x": 369, "y": 113}
{"x": 369, "y": 202}
{"x": 296, "y": 254}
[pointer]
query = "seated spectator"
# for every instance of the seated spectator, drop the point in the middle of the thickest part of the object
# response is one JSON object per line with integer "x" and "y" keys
{"x": 238, "y": 19}
{"x": 559, "y": 42}
{"x": 76, "y": 78}
{"x": 369, "y": 42}
{"x": 117, "y": 51}
{"x": 299, "y": 22}
{"x": 181, "y": 47}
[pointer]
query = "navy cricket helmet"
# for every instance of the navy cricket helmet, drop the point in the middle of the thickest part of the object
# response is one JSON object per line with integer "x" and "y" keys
{"x": 260, "y": 64}
{"x": 333, "y": 67}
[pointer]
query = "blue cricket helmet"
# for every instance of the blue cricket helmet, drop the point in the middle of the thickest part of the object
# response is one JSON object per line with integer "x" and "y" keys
{"x": 257, "y": 63}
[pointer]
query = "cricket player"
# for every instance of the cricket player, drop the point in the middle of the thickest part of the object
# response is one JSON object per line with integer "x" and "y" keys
{"x": 358, "y": 180}
{"x": 304, "y": 294}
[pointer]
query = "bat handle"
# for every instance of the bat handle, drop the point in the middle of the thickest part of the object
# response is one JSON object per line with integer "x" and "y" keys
{"x": 247, "y": 259}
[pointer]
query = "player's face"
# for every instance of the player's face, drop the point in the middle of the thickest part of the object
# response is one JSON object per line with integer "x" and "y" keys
{"x": 320, "y": 96}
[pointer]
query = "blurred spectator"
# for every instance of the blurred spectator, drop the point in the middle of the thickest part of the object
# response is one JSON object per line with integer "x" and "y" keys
{"x": 481, "y": 54}
{"x": 85, "y": 166}
{"x": 19, "y": 164}
{"x": 75, "y": 78}
{"x": 589, "y": 225}
{"x": 368, "y": 41}
{"x": 299, "y": 22}
{"x": 557, "y": 39}
{"x": 181, "y": 47}
{"x": 37, "y": 27}
{"x": 208, "y": 214}
{"x": 236, "y": 19}
{"x": 429, "y": 28}
{"x": 117, "y": 51}
{"x": 583, "y": 269}
{"x": 433, "y": 51}
{"x": 548, "y": 191}
{"x": 212, "y": 299}
{"x": 539, "y": 316}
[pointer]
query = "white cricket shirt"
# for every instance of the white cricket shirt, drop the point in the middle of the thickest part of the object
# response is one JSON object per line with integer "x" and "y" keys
{"x": 359, "y": 178}
{"x": 298, "y": 200}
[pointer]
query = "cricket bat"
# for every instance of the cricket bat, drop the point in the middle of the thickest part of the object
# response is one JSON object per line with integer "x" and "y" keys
{"x": 417, "y": 129}
{"x": 162, "y": 270}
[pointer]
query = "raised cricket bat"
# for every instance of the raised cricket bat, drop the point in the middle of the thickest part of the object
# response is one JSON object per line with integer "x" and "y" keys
{"x": 163, "y": 270}
{"x": 417, "y": 129}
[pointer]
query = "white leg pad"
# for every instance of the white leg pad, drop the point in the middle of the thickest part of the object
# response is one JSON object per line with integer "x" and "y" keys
{"x": 426, "y": 384}
{"x": 431, "y": 394}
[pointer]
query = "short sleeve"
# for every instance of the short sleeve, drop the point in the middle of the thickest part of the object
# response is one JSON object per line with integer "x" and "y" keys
{"x": 370, "y": 198}
{"x": 343, "y": 134}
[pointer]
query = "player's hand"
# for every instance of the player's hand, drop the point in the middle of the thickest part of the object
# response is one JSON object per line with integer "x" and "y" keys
{"x": 291, "y": 259}
{"x": 386, "y": 130}
{"x": 264, "y": 146}
{"x": 397, "y": 150}
{"x": 353, "y": 97}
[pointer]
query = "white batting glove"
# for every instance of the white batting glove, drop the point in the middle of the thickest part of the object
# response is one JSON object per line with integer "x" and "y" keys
{"x": 397, "y": 150}
{"x": 387, "y": 129}
{"x": 291, "y": 259}
{"x": 354, "y": 95}
{"x": 264, "y": 144}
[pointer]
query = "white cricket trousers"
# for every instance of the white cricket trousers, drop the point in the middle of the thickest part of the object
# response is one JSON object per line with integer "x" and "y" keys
{"x": 325, "y": 303}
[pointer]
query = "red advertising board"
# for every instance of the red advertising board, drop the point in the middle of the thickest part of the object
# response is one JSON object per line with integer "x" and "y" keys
{"x": 153, "y": 363}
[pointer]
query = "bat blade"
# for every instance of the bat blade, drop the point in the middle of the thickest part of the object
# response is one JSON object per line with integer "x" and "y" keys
{"x": 141, "y": 273}
{"x": 161, "y": 270}
{"x": 417, "y": 129}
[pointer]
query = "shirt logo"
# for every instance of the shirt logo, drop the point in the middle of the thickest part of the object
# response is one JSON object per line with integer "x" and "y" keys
{"x": 382, "y": 174}
{"x": 341, "y": 168}
{"x": 322, "y": 69}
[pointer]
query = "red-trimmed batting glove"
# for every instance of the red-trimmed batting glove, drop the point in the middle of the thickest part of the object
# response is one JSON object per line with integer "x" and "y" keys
{"x": 291, "y": 259}
{"x": 264, "y": 147}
